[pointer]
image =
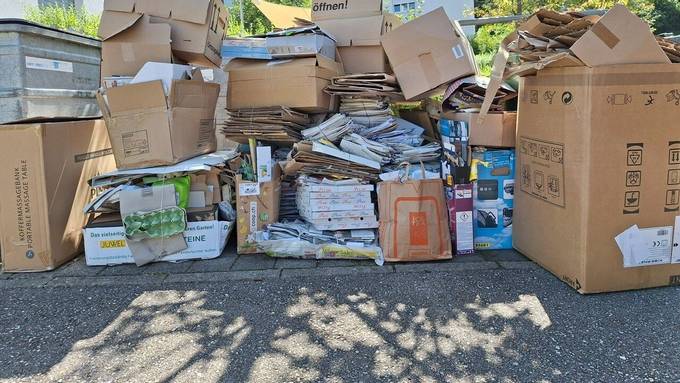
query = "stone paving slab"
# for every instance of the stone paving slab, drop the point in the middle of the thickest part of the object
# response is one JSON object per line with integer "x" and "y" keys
{"x": 285, "y": 263}
{"x": 222, "y": 263}
{"x": 253, "y": 262}
{"x": 250, "y": 275}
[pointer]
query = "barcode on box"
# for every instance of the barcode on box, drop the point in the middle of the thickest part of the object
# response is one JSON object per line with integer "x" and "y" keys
{"x": 662, "y": 232}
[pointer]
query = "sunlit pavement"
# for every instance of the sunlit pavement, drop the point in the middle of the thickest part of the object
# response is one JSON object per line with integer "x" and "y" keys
{"x": 492, "y": 317}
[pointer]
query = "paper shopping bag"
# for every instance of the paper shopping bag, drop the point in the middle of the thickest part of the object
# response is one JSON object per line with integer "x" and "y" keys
{"x": 413, "y": 221}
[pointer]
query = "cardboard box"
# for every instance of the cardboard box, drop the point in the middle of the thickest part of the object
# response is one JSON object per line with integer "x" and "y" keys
{"x": 149, "y": 129}
{"x": 459, "y": 203}
{"x": 358, "y": 41}
{"x": 257, "y": 205}
{"x": 493, "y": 197}
{"x": 603, "y": 158}
{"x": 295, "y": 83}
{"x": 137, "y": 31}
{"x": 106, "y": 245}
{"x": 343, "y": 9}
{"x": 428, "y": 53}
{"x": 497, "y": 130}
{"x": 44, "y": 167}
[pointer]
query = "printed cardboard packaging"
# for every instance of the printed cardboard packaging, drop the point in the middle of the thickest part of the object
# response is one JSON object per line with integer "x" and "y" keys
{"x": 494, "y": 194}
{"x": 257, "y": 205}
{"x": 428, "y": 53}
{"x": 44, "y": 167}
{"x": 498, "y": 129}
{"x": 602, "y": 157}
{"x": 343, "y": 9}
{"x": 149, "y": 129}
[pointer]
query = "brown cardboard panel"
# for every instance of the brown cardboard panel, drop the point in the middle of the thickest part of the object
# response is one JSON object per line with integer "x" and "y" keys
{"x": 620, "y": 37}
{"x": 119, "y": 5}
{"x": 342, "y": 9}
{"x": 255, "y": 210}
{"x": 364, "y": 59}
{"x": 497, "y": 130}
{"x": 136, "y": 97}
{"x": 427, "y": 53}
{"x": 46, "y": 167}
{"x": 615, "y": 174}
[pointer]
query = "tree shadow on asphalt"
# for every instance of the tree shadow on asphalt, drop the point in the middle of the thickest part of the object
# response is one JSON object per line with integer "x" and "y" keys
{"x": 430, "y": 329}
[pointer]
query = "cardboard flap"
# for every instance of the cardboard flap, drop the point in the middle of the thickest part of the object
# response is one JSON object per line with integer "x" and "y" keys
{"x": 119, "y": 5}
{"x": 282, "y": 16}
{"x": 620, "y": 37}
{"x": 193, "y": 94}
{"x": 243, "y": 69}
{"x": 124, "y": 99}
{"x": 113, "y": 23}
{"x": 361, "y": 31}
{"x": 327, "y": 63}
{"x": 157, "y": 8}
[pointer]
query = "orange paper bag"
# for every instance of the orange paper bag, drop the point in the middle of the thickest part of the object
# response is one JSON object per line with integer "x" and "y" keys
{"x": 414, "y": 222}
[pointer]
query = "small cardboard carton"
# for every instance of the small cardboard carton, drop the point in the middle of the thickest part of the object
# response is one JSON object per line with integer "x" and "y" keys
{"x": 295, "y": 83}
{"x": 494, "y": 194}
{"x": 498, "y": 129}
{"x": 149, "y": 129}
{"x": 428, "y": 53}
{"x": 603, "y": 159}
{"x": 105, "y": 242}
{"x": 44, "y": 168}
{"x": 344, "y": 9}
{"x": 459, "y": 203}
{"x": 137, "y": 31}
{"x": 257, "y": 205}
{"x": 358, "y": 41}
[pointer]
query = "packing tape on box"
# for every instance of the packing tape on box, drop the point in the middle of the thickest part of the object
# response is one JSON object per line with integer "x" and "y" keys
{"x": 604, "y": 34}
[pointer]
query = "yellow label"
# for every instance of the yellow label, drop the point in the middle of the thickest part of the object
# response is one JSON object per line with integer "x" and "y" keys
{"x": 112, "y": 244}
{"x": 482, "y": 245}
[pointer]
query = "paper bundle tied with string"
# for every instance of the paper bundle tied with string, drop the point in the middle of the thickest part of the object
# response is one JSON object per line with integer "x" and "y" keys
{"x": 154, "y": 224}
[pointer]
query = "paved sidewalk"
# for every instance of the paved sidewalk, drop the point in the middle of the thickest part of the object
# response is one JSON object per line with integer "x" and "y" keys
{"x": 248, "y": 267}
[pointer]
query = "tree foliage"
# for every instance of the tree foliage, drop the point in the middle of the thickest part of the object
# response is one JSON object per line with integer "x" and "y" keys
{"x": 254, "y": 21}
{"x": 78, "y": 20}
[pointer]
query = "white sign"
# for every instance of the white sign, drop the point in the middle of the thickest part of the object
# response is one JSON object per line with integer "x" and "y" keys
{"x": 248, "y": 189}
{"x": 47, "y": 64}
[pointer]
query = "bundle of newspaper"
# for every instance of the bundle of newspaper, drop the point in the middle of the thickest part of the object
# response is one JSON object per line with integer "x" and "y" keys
{"x": 336, "y": 204}
{"x": 298, "y": 239}
{"x": 275, "y": 124}
{"x": 365, "y": 110}
{"x": 331, "y": 130}
{"x": 372, "y": 150}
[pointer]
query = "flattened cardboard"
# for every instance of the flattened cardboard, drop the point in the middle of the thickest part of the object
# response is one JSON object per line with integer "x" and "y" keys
{"x": 343, "y": 9}
{"x": 295, "y": 83}
{"x": 619, "y": 37}
{"x": 498, "y": 129}
{"x": 427, "y": 53}
{"x": 44, "y": 168}
{"x": 587, "y": 171}
{"x": 255, "y": 210}
{"x": 146, "y": 129}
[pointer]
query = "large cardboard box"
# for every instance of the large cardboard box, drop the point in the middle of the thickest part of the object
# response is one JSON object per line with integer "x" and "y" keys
{"x": 44, "y": 168}
{"x": 343, "y": 9}
{"x": 149, "y": 129}
{"x": 428, "y": 53}
{"x": 296, "y": 83}
{"x": 137, "y": 31}
{"x": 602, "y": 157}
{"x": 257, "y": 205}
{"x": 358, "y": 41}
{"x": 497, "y": 130}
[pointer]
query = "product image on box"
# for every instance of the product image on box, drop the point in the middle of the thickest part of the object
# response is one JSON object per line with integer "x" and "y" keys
{"x": 494, "y": 192}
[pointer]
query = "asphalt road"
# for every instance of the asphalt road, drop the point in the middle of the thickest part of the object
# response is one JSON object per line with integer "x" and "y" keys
{"x": 497, "y": 325}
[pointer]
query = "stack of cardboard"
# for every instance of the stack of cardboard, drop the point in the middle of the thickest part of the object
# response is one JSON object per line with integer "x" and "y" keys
{"x": 336, "y": 205}
{"x": 275, "y": 124}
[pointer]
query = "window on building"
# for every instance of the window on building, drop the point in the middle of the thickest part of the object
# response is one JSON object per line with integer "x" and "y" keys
{"x": 60, "y": 3}
{"x": 404, "y": 6}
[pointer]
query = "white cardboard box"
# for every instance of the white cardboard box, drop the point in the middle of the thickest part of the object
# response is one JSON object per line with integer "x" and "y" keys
{"x": 107, "y": 246}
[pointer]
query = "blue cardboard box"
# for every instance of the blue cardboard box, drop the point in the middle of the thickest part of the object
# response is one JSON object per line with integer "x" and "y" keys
{"x": 493, "y": 197}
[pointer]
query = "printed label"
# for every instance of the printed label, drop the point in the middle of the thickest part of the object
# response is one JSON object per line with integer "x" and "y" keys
{"x": 47, "y": 64}
{"x": 675, "y": 256}
{"x": 673, "y": 178}
{"x": 418, "y": 228}
{"x": 464, "y": 232}
{"x": 249, "y": 189}
{"x": 646, "y": 247}
{"x": 252, "y": 217}
{"x": 92, "y": 155}
{"x": 458, "y": 51}
{"x": 135, "y": 143}
{"x": 542, "y": 170}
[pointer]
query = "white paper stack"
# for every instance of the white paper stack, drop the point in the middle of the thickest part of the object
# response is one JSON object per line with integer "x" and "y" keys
{"x": 332, "y": 205}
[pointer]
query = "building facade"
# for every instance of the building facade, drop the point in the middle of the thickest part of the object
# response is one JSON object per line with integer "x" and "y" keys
{"x": 456, "y": 9}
